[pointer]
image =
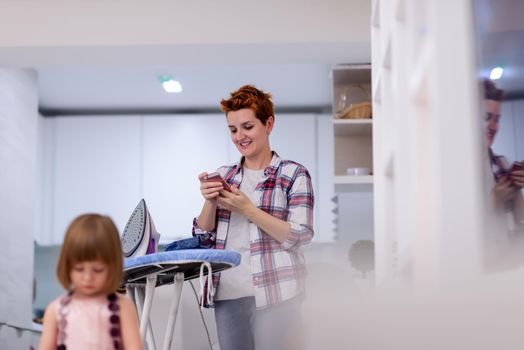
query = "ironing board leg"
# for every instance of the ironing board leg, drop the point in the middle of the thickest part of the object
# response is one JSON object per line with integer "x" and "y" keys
{"x": 136, "y": 293}
{"x": 146, "y": 331}
{"x": 139, "y": 299}
{"x": 173, "y": 310}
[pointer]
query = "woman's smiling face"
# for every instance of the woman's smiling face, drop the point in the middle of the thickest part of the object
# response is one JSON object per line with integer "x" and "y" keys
{"x": 492, "y": 120}
{"x": 249, "y": 135}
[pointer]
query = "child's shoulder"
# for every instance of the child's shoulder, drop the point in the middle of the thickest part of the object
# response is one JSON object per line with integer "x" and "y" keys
{"x": 54, "y": 304}
{"x": 57, "y": 300}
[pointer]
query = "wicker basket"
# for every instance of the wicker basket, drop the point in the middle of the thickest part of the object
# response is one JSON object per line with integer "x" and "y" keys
{"x": 356, "y": 111}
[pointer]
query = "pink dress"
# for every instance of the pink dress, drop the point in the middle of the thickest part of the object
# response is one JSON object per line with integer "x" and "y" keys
{"x": 88, "y": 323}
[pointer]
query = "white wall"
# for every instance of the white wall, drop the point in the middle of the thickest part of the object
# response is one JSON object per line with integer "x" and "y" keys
{"x": 18, "y": 159}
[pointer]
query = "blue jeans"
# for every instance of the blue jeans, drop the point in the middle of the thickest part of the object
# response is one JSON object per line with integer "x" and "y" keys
{"x": 240, "y": 326}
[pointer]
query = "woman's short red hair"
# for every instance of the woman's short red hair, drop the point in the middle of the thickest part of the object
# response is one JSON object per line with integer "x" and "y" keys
{"x": 250, "y": 97}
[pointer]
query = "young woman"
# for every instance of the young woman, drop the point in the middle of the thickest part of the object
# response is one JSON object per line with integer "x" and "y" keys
{"x": 266, "y": 217}
{"x": 505, "y": 182}
{"x": 509, "y": 181}
{"x": 91, "y": 315}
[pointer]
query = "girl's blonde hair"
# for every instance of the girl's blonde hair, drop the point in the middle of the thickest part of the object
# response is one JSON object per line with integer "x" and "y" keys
{"x": 91, "y": 237}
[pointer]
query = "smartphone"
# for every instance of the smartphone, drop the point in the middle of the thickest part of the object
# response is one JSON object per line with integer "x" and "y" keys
{"x": 216, "y": 177}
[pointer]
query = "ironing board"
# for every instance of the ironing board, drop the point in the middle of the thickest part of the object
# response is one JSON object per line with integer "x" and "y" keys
{"x": 144, "y": 273}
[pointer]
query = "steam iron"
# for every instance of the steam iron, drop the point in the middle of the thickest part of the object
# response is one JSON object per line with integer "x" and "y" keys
{"x": 140, "y": 236}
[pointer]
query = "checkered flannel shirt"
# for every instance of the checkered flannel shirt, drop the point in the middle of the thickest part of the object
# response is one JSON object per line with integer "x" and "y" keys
{"x": 285, "y": 192}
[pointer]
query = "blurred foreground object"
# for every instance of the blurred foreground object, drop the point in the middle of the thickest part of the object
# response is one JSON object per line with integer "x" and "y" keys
{"x": 362, "y": 256}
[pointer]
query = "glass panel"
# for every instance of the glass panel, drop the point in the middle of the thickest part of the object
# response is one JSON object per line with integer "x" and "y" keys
{"x": 500, "y": 49}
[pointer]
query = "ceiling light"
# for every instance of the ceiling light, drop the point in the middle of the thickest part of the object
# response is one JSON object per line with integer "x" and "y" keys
{"x": 496, "y": 73}
{"x": 170, "y": 85}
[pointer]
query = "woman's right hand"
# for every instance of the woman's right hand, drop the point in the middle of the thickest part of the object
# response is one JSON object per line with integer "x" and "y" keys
{"x": 210, "y": 190}
{"x": 517, "y": 174}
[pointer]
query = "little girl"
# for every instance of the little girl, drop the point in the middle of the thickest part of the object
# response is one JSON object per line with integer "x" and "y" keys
{"x": 91, "y": 315}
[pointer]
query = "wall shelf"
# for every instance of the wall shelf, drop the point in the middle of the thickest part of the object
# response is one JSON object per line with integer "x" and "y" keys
{"x": 353, "y": 138}
{"x": 353, "y": 180}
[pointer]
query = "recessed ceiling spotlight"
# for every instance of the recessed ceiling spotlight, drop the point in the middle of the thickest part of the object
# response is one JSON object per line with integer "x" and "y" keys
{"x": 496, "y": 73}
{"x": 170, "y": 85}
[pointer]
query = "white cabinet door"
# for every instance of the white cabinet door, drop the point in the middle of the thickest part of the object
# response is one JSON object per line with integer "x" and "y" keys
{"x": 293, "y": 137}
{"x": 96, "y": 169}
{"x": 176, "y": 150}
{"x": 107, "y": 164}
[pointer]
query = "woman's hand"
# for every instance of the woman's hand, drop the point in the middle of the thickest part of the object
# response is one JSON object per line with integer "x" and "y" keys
{"x": 517, "y": 177}
{"x": 235, "y": 201}
{"x": 503, "y": 190}
{"x": 210, "y": 190}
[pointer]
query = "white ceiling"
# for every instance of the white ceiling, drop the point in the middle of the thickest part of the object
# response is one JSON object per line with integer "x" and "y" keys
{"x": 77, "y": 89}
{"x": 106, "y": 55}
{"x": 500, "y": 33}
{"x": 81, "y": 72}
{"x": 99, "y": 79}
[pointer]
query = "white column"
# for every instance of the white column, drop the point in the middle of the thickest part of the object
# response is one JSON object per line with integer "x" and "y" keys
{"x": 18, "y": 156}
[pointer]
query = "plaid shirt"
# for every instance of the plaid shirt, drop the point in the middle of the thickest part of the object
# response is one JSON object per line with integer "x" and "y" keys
{"x": 285, "y": 192}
